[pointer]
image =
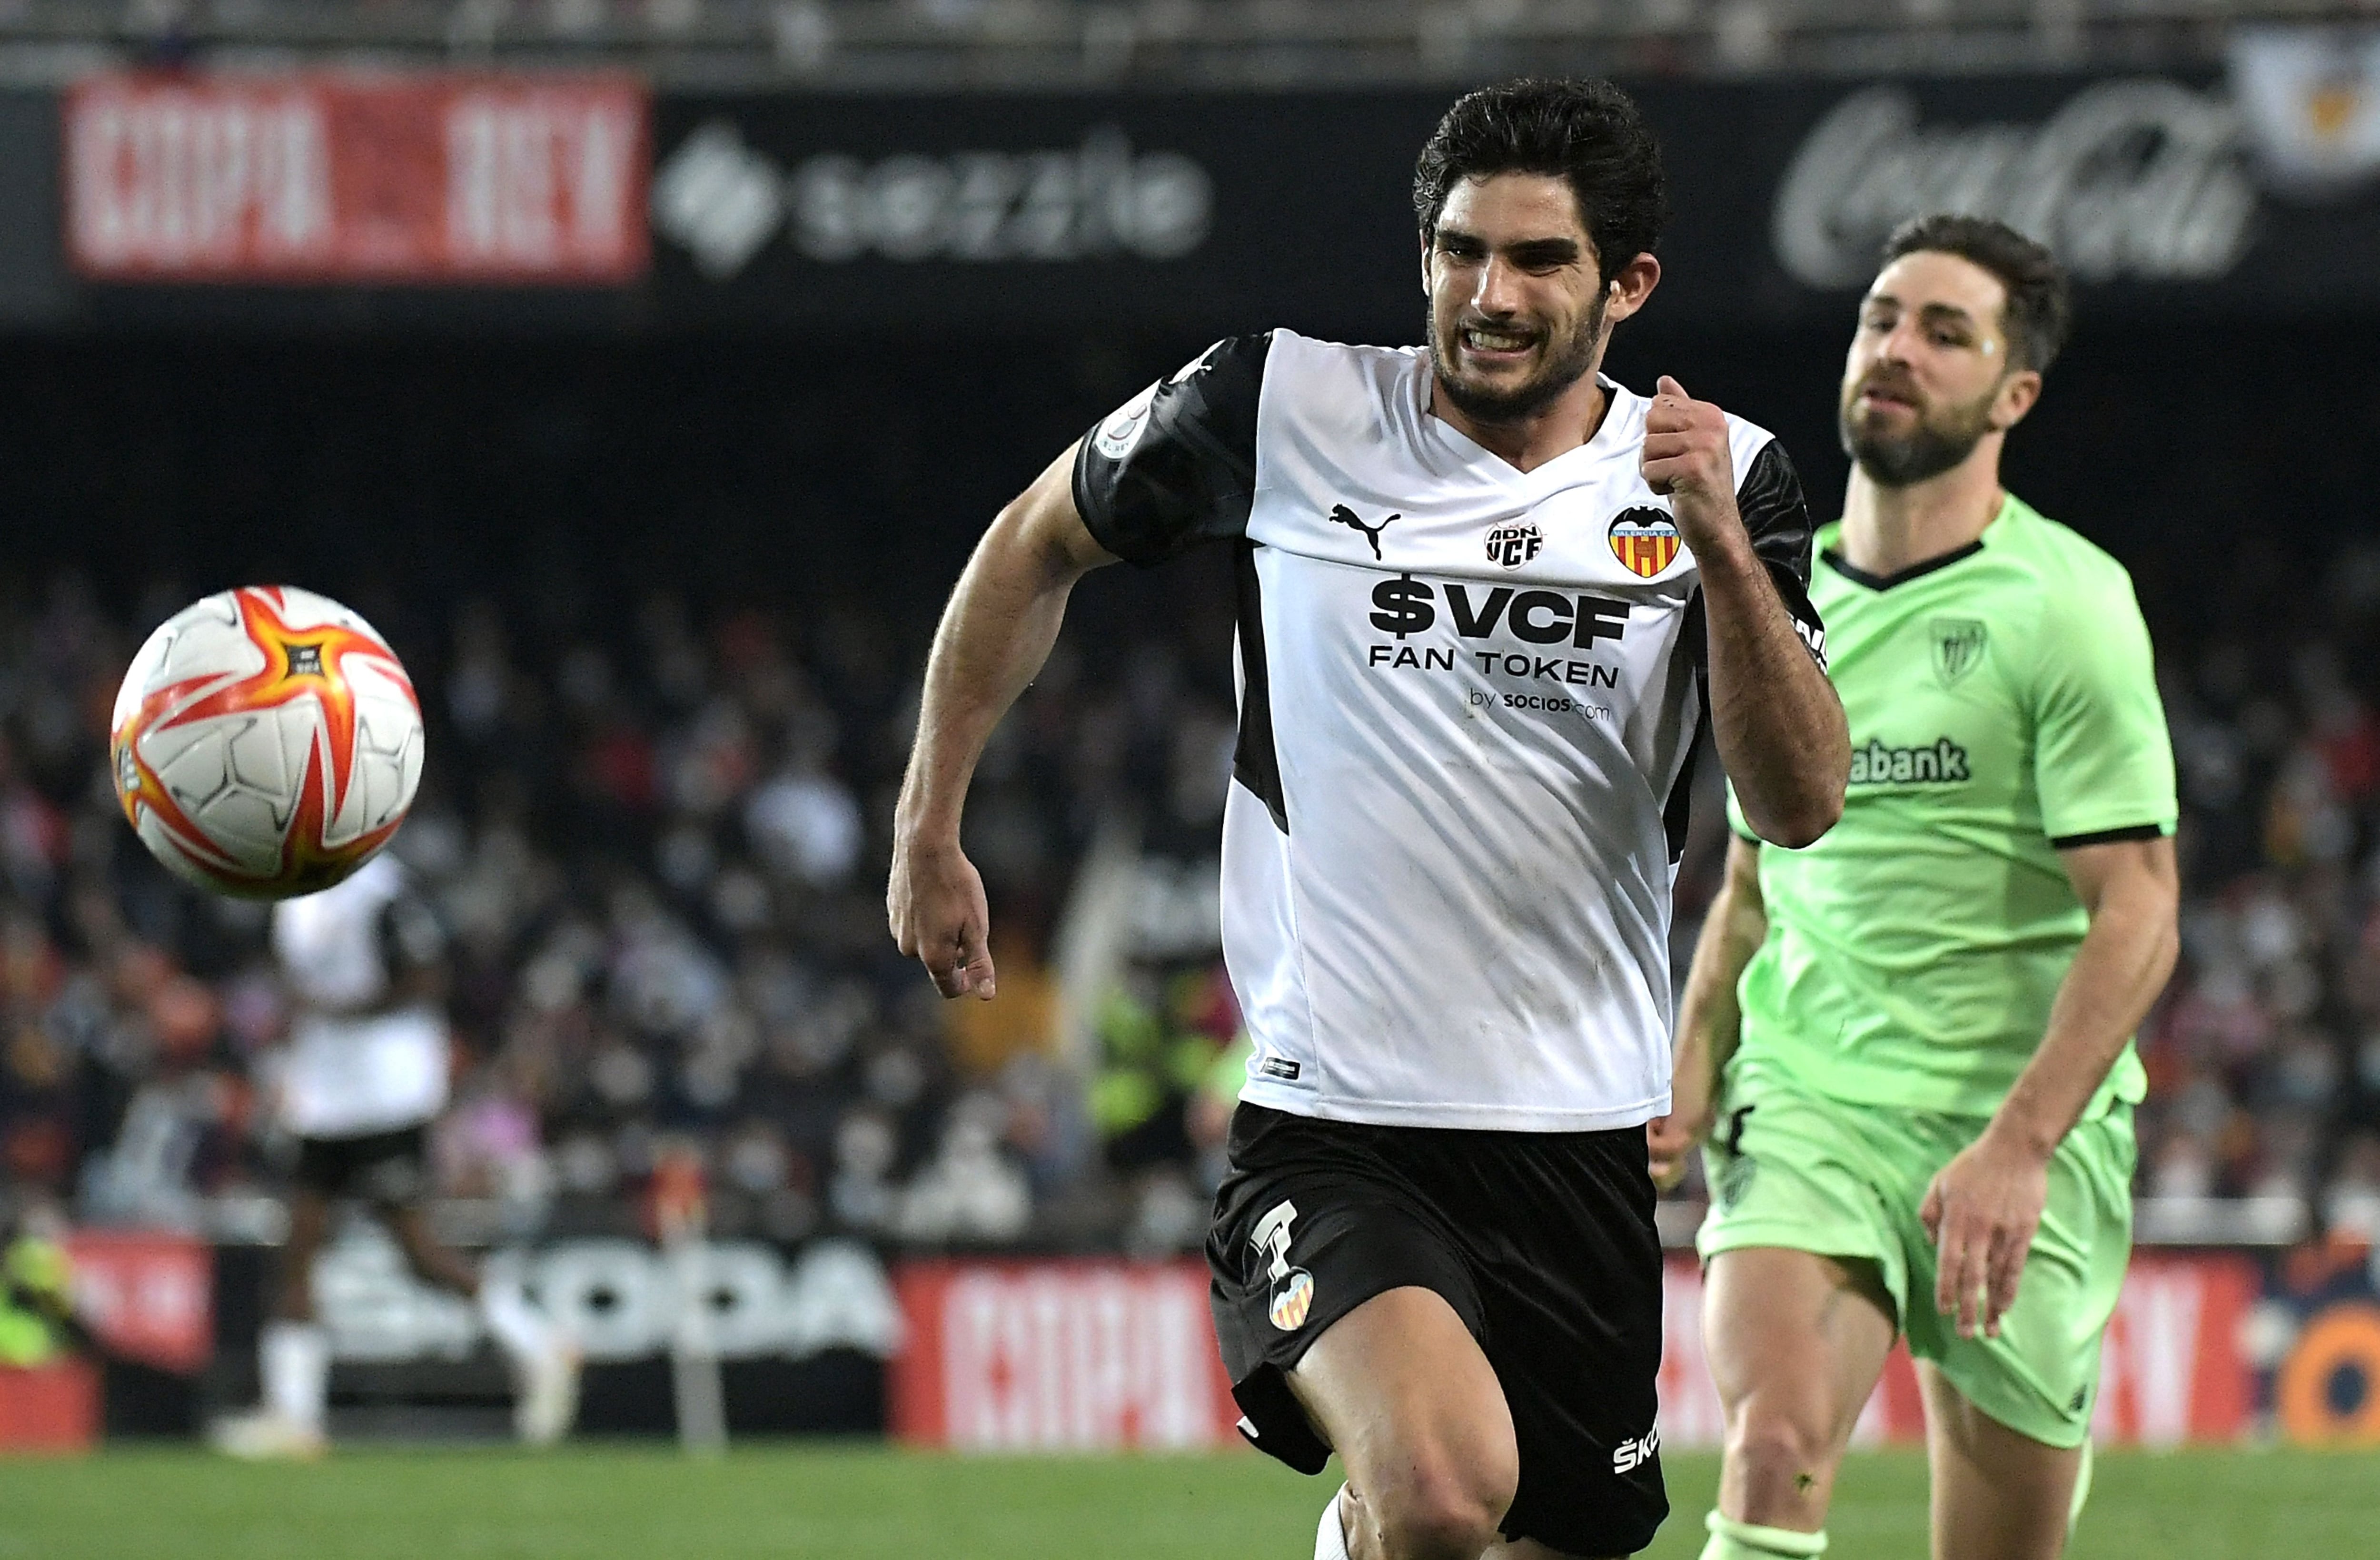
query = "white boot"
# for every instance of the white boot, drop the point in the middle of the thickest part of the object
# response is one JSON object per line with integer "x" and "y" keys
{"x": 545, "y": 1360}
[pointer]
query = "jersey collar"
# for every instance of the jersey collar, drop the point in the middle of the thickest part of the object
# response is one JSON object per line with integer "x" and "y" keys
{"x": 1617, "y": 407}
{"x": 1859, "y": 577}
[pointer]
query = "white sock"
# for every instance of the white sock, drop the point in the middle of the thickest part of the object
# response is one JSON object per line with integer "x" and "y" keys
{"x": 521, "y": 1329}
{"x": 295, "y": 1358}
{"x": 1330, "y": 1538}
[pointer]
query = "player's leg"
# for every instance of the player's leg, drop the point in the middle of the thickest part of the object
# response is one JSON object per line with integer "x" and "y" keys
{"x": 293, "y": 1351}
{"x": 2008, "y": 1417}
{"x": 1804, "y": 1283}
{"x": 1401, "y": 1390}
{"x": 1796, "y": 1343}
{"x": 1996, "y": 1495}
{"x": 543, "y": 1359}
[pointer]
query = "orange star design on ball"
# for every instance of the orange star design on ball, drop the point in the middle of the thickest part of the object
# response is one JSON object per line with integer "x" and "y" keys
{"x": 299, "y": 663}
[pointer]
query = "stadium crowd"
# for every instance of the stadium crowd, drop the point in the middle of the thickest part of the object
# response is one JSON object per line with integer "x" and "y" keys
{"x": 661, "y": 864}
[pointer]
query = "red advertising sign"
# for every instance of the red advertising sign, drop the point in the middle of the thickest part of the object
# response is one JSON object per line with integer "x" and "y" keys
{"x": 2171, "y": 1370}
{"x": 147, "y": 1296}
{"x": 1076, "y": 1356}
{"x": 325, "y": 177}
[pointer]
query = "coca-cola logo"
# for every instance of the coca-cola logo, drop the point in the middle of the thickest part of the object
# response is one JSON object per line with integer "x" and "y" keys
{"x": 2139, "y": 179}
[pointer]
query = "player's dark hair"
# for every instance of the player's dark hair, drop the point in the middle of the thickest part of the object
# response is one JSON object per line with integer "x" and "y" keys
{"x": 2039, "y": 309}
{"x": 1587, "y": 133}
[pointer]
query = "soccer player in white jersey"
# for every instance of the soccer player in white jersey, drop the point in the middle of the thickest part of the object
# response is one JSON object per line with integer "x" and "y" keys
{"x": 364, "y": 1074}
{"x": 1487, "y": 599}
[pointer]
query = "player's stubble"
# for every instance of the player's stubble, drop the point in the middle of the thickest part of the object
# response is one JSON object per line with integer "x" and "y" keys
{"x": 1564, "y": 363}
{"x": 1935, "y": 442}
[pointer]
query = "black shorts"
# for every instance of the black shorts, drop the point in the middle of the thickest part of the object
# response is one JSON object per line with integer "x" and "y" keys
{"x": 388, "y": 1169}
{"x": 1543, "y": 1243}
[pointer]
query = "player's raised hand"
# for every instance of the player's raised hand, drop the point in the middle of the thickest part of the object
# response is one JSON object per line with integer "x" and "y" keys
{"x": 937, "y": 909}
{"x": 1982, "y": 1210}
{"x": 1685, "y": 458}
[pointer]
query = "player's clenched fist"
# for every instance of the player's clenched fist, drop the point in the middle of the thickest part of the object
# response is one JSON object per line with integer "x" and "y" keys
{"x": 935, "y": 905}
{"x": 1685, "y": 458}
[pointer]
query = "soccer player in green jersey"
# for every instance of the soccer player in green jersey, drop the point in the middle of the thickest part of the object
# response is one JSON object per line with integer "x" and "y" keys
{"x": 1908, "y": 1047}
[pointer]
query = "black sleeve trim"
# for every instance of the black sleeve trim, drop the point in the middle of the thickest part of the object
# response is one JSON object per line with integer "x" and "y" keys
{"x": 1176, "y": 464}
{"x": 1777, "y": 519}
{"x": 1677, "y": 813}
{"x": 1254, "y": 762}
{"x": 2109, "y": 836}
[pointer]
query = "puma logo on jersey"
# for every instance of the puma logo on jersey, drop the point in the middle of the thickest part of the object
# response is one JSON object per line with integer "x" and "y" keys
{"x": 1342, "y": 516}
{"x": 1940, "y": 761}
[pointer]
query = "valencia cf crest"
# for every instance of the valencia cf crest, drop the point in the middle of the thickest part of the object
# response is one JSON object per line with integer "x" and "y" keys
{"x": 1645, "y": 539}
{"x": 1293, "y": 1297}
{"x": 1958, "y": 645}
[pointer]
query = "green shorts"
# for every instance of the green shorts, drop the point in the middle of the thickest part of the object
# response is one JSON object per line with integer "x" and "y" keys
{"x": 1799, "y": 1170}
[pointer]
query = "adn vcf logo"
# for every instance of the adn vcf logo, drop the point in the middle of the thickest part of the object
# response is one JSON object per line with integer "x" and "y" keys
{"x": 1515, "y": 544}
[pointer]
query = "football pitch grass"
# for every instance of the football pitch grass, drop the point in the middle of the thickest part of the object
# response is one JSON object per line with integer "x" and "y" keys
{"x": 794, "y": 1501}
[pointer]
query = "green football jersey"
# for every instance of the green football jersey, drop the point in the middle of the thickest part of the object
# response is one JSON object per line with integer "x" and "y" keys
{"x": 2002, "y": 705}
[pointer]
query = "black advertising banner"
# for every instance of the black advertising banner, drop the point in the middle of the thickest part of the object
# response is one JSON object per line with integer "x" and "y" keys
{"x": 1082, "y": 213}
{"x": 2253, "y": 192}
{"x": 1230, "y": 212}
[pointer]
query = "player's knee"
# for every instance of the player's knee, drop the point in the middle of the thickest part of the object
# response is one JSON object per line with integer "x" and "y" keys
{"x": 1780, "y": 1452}
{"x": 1443, "y": 1507}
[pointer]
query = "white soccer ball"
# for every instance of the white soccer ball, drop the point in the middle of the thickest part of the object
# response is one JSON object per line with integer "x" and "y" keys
{"x": 266, "y": 743}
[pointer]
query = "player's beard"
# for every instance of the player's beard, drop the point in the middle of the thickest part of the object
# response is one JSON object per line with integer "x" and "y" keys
{"x": 1934, "y": 443}
{"x": 1565, "y": 362}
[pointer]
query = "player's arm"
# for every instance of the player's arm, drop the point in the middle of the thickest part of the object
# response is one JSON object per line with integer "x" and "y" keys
{"x": 413, "y": 950}
{"x": 1778, "y": 726}
{"x": 2102, "y": 766}
{"x": 1173, "y": 467}
{"x": 995, "y": 634}
{"x": 1709, "y": 1018}
{"x": 1987, "y": 1204}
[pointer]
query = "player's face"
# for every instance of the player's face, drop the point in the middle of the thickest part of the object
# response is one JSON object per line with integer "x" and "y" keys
{"x": 1928, "y": 375}
{"x": 1516, "y": 304}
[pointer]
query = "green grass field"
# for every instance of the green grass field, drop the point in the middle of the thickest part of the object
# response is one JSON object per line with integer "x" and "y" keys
{"x": 792, "y": 1501}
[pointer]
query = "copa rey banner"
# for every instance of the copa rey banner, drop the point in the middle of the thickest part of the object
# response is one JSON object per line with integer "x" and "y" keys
{"x": 1230, "y": 212}
{"x": 343, "y": 177}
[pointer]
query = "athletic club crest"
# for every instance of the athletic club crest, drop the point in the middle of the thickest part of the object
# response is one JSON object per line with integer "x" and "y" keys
{"x": 1645, "y": 540}
{"x": 1958, "y": 645}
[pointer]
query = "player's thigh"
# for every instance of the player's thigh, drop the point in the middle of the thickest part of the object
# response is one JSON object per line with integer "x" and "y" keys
{"x": 1806, "y": 1274}
{"x": 1996, "y": 1495}
{"x": 1795, "y": 1335}
{"x": 1404, "y": 1394}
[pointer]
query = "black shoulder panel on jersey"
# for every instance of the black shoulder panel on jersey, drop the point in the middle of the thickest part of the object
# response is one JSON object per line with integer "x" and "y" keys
{"x": 411, "y": 937}
{"x": 1777, "y": 518}
{"x": 1254, "y": 762}
{"x": 1677, "y": 813}
{"x": 1176, "y": 464}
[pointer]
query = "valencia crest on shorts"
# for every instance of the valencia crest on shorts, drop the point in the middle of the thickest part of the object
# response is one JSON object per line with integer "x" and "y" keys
{"x": 1293, "y": 1297}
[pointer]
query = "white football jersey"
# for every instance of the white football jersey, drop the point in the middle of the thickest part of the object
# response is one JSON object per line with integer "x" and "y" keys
{"x": 348, "y": 1072}
{"x": 1468, "y": 700}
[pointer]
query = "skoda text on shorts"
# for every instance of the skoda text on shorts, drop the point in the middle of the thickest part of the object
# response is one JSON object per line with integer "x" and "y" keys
{"x": 1486, "y": 601}
{"x": 1909, "y": 1046}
